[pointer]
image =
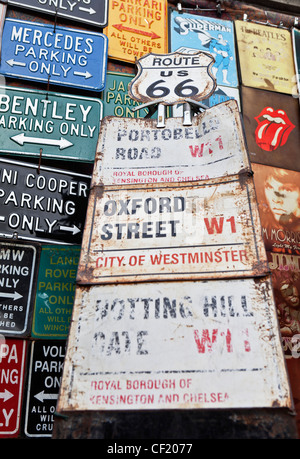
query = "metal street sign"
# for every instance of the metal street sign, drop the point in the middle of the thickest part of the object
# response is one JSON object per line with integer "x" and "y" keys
{"x": 172, "y": 78}
{"x": 92, "y": 12}
{"x": 12, "y": 368}
{"x": 42, "y": 204}
{"x": 64, "y": 126}
{"x": 134, "y": 151}
{"x": 198, "y": 230}
{"x": 175, "y": 346}
{"x": 136, "y": 28}
{"x": 55, "y": 291}
{"x": 62, "y": 56}
{"x": 18, "y": 273}
{"x": 45, "y": 371}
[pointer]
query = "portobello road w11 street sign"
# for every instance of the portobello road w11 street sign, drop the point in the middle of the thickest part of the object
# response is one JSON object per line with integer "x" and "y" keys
{"x": 192, "y": 230}
{"x": 62, "y": 56}
{"x": 172, "y": 78}
{"x": 41, "y": 203}
{"x": 135, "y": 151}
{"x": 92, "y": 12}
{"x": 175, "y": 345}
{"x": 18, "y": 277}
{"x": 64, "y": 126}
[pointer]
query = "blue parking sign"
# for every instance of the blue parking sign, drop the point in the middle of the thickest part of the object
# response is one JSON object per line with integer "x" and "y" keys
{"x": 60, "y": 55}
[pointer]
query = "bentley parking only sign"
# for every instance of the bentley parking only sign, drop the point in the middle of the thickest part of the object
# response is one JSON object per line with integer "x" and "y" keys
{"x": 172, "y": 78}
{"x": 62, "y": 56}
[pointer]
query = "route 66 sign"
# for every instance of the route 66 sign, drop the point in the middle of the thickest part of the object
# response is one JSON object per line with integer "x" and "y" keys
{"x": 172, "y": 78}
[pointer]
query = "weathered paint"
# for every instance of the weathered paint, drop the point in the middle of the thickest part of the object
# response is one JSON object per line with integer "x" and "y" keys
{"x": 184, "y": 231}
{"x": 171, "y": 78}
{"x": 175, "y": 345}
{"x": 136, "y": 151}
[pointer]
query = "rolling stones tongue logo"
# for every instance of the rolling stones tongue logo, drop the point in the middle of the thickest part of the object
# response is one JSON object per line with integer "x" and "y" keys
{"x": 273, "y": 128}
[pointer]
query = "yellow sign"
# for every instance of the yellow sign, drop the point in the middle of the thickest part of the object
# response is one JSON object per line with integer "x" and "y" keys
{"x": 266, "y": 57}
{"x": 136, "y": 28}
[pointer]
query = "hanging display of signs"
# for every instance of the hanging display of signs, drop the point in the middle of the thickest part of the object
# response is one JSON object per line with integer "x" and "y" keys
{"x": 278, "y": 197}
{"x": 116, "y": 100}
{"x": 173, "y": 78}
{"x": 207, "y": 229}
{"x": 45, "y": 371}
{"x": 272, "y": 128}
{"x": 63, "y": 126}
{"x": 61, "y": 56}
{"x": 266, "y": 57}
{"x": 135, "y": 151}
{"x": 135, "y": 30}
{"x": 55, "y": 291}
{"x": 18, "y": 267}
{"x": 41, "y": 203}
{"x": 12, "y": 372}
{"x": 285, "y": 269}
{"x": 92, "y": 12}
{"x": 205, "y": 333}
{"x": 190, "y": 33}
{"x": 296, "y": 49}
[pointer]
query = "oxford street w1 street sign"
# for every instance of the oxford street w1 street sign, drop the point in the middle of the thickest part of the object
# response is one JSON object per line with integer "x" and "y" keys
{"x": 65, "y": 126}
{"x": 61, "y": 56}
{"x": 41, "y": 203}
{"x": 92, "y": 12}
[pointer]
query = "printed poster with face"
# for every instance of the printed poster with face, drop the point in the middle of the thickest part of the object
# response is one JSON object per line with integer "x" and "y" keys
{"x": 285, "y": 274}
{"x": 278, "y": 197}
{"x": 271, "y": 122}
{"x": 190, "y": 33}
{"x": 265, "y": 56}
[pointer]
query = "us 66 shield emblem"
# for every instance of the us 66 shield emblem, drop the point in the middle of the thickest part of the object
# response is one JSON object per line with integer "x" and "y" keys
{"x": 172, "y": 78}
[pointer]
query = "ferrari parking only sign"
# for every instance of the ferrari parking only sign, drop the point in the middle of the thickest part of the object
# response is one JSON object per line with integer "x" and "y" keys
{"x": 172, "y": 78}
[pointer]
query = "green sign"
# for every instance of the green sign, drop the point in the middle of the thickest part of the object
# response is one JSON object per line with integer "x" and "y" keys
{"x": 54, "y": 125}
{"x": 117, "y": 101}
{"x": 55, "y": 291}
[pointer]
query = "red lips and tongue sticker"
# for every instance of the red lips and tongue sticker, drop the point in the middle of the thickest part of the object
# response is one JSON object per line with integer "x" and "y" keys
{"x": 273, "y": 128}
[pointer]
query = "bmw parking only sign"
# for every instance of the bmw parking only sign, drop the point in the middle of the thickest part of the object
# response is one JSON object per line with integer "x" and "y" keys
{"x": 63, "y": 56}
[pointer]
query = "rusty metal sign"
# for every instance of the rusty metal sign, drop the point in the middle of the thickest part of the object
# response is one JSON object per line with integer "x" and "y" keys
{"x": 135, "y": 151}
{"x": 172, "y": 78}
{"x": 272, "y": 128}
{"x": 175, "y": 346}
{"x": 266, "y": 57}
{"x": 202, "y": 230}
{"x": 135, "y": 30}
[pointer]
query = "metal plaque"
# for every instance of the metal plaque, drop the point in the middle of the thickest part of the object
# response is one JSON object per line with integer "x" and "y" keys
{"x": 196, "y": 230}
{"x": 12, "y": 369}
{"x": 272, "y": 126}
{"x": 55, "y": 291}
{"x": 176, "y": 345}
{"x": 45, "y": 372}
{"x": 278, "y": 193}
{"x": 296, "y": 51}
{"x": 64, "y": 126}
{"x": 18, "y": 273}
{"x": 134, "y": 151}
{"x": 266, "y": 57}
{"x": 172, "y": 78}
{"x": 41, "y": 203}
{"x": 116, "y": 101}
{"x": 190, "y": 33}
{"x": 92, "y": 12}
{"x": 62, "y": 56}
{"x": 136, "y": 29}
